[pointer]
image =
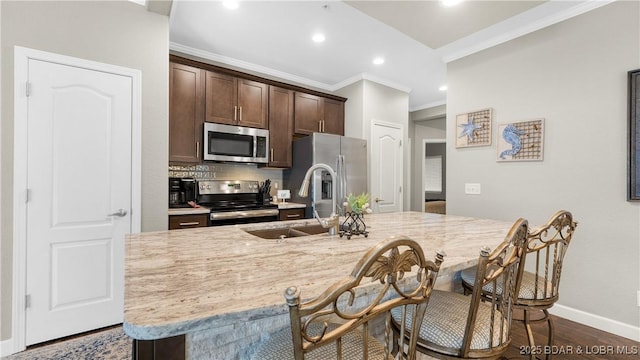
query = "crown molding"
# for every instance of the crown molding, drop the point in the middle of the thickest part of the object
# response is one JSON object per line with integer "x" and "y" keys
{"x": 519, "y": 31}
{"x": 428, "y": 105}
{"x": 245, "y": 65}
{"x": 373, "y": 78}
{"x": 248, "y": 66}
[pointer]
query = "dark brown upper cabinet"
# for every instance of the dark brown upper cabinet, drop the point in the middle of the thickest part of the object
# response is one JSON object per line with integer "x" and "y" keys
{"x": 280, "y": 126}
{"x": 333, "y": 116}
{"x": 318, "y": 114}
{"x": 235, "y": 101}
{"x": 186, "y": 115}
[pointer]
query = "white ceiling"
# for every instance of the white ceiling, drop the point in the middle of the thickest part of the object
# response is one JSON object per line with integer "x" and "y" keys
{"x": 416, "y": 38}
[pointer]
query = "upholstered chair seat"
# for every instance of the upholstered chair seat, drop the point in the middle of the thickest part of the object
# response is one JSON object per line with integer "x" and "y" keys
{"x": 529, "y": 288}
{"x": 446, "y": 319}
{"x": 459, "y": 326}
{"x": 539, "y": 289}
{"x": 280, "y": 346}
{"x": 344, "y": 322}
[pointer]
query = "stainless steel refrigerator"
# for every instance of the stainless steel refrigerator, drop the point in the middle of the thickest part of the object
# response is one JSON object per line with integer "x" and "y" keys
{"x": 347, "y": 156}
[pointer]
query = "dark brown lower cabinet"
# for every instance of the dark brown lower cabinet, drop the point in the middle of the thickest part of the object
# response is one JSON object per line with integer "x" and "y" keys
{"x": 172, "y": 348}
{"x": 291, "y": 214}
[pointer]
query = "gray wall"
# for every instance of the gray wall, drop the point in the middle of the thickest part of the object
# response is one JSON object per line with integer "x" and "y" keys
{"x": 115, "y": 32}
{"x": 572, "y": 74}
{"x": 370, "y": 101}
{"x": 353, "y": 109}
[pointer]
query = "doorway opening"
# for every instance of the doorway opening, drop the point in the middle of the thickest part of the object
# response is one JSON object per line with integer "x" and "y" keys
{"x": 434, "y": 175}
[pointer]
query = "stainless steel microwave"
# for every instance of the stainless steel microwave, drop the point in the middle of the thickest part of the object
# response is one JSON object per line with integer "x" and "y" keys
{"x": 235, "y": 143}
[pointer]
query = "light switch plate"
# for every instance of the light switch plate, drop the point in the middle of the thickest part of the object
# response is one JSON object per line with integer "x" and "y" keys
{"x": 472, "y": 189}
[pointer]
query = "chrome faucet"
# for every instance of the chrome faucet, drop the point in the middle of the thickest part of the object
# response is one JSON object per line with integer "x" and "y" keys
{"x": 333, "y": 222}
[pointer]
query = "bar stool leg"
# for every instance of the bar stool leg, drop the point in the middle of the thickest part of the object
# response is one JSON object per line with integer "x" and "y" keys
{"x": 532, "y": 343}
{"x": 550, "y": 334}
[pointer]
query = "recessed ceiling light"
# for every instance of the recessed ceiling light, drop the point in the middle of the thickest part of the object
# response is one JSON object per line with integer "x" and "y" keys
{"x": 378, "y": 61}
{"x": 231, "y": 4}
{"x": 450, "y": 2}
{"x": 443, "y": 88}
{"x": 318, "y": 37}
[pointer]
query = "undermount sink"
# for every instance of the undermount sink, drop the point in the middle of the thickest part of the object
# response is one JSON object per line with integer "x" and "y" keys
{"x": 288, "y": 232}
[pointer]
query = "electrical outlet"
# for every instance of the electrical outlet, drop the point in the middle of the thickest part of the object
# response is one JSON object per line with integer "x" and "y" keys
{"x": 638, "y": 298}
{"x": 472, "y": 189}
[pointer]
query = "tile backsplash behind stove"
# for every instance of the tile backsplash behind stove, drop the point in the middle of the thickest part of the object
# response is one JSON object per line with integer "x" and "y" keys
{"x": 228, "y": 172}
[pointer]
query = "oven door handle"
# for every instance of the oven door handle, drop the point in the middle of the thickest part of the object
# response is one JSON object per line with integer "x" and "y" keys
{"x": 243, "y": 214}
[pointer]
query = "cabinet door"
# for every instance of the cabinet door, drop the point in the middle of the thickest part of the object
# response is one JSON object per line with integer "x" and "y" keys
{"x": 188, "y": 221}
{"x": 221, "y": 98}
{"x": 185, "y": 113}
{"x": 291, "y": 214}
{"x": 308, "y": 113}
{"x": 333, "y": 117}
{"x": 252, "y": 103}
{"x": 280, "y": 126}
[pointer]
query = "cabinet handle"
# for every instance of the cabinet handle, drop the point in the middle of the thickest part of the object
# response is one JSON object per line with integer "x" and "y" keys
{"x": 271, "y": 154}
{"x": 293, "y": 215}
{"x": 197, "y": 149}
{"x": 240, "y": 111}
{"x": 323, "y": 126}
{"x": 320, "y": 126}
{"x": 190, "y": 223}
{"x": 235, "y": 113}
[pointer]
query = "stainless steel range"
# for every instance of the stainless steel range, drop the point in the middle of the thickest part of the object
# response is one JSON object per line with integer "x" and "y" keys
{"x": 236, "y": 201}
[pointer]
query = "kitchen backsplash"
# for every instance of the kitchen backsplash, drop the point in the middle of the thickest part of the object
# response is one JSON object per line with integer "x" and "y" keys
{"x": 228, "y": 172}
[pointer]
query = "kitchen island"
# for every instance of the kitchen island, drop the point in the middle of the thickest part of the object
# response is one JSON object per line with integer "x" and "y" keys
{"x": 223, "y": 288}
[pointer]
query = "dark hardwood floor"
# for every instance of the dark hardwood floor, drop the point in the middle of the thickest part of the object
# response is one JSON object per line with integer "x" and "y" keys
{"x": 573, "y": 341}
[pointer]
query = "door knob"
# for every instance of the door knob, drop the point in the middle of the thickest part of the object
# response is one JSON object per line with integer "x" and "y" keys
{"x": 378, "y": 200}
{"x": 119, "y": 213}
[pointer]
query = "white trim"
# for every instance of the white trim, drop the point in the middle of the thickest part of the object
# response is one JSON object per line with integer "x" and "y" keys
{"x": 596, "y": 321}
{"x": 6, "y": 346}
{"x": 21, "y": 72}
{"x": 281, "y": 74}
{"x": 247, "y": 65}
{"x": 528, "y": 27}
{"x": 370, "y": 77}
{"x": 428, "y": 105}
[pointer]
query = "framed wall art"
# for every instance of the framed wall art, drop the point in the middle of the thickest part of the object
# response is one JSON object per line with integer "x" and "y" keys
{"x": 633, "y": 178}
{"x": 521, "y": 141}
{"x": 474, "y": 128}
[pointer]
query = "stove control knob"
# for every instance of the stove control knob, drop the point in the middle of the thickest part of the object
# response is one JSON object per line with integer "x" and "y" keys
{"x": 208, "y": 187}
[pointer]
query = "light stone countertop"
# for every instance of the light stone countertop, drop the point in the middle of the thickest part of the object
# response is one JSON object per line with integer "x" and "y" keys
{"x": 189, "y": 211}
{"x": 179, "y": 282}
{"x": 289, "y": 205}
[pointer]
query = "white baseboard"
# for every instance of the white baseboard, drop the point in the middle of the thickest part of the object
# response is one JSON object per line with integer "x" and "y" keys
{"x": 597, "y": 321}
{"x": 6, "y": 347}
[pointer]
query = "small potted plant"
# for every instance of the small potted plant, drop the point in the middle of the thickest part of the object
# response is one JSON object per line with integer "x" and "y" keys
{"x": 356, "y": 206}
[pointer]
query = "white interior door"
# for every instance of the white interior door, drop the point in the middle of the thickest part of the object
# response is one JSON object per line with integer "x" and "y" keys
{"x": 79, "y": 202}
{"x": 386, "y": 167}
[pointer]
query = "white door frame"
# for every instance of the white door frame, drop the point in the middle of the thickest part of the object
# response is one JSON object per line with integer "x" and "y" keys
{"x": 21, "y": 58}
{"x": 424, "y": 147}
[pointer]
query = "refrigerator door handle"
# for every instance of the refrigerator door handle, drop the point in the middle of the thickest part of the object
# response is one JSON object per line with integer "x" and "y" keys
{"x": 343, "y": 177}
{"x": 339, "y": 184}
